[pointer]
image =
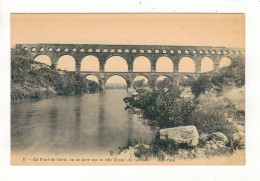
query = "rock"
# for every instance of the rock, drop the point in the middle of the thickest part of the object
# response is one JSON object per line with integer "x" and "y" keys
{"x": 182, "y": 154}
{"x": 239, "y": 140}
{"x": 219, "y": 137}
{"x": 181, "y": 134}
{"x": 128, "y": 153}
{"x": 204, "y": 137}
{"x": 197, "y": 153}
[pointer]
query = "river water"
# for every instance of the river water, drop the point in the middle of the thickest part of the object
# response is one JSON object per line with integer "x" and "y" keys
{"x": 88, "y": 124}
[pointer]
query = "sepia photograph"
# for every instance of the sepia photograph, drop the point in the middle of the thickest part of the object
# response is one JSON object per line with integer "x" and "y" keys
{"x": 127, "y": 89}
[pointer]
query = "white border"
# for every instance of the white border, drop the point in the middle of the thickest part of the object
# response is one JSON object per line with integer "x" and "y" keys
{"x": 248, "y": 172}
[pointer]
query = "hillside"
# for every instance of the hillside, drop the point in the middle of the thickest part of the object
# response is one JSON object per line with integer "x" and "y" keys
{"x": 31, "y": 80}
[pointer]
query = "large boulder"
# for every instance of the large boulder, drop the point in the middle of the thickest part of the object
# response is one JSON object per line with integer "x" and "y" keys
{"x": 181, "y": 134}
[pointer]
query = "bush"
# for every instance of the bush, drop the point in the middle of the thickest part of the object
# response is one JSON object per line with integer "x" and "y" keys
{"x": 213, "y": 114}
{"x": 162, "y": 107}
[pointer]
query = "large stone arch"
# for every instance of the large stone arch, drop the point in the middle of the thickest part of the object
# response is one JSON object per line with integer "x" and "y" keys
{"x": 59, "y": 66}
{"x": 207, "y": 63}
{"x": 182, "y": 65}
{"x": 135, "y": 59}
{"x": 169, "y": 58}
{"x": 109, "y": 57}
{"x": 223, "y": 57}
{"x": 46, "y": 55}
{"x": 83, "y": 62}
{"x": 127, "y": 79}
{"x": 115, "y": 74}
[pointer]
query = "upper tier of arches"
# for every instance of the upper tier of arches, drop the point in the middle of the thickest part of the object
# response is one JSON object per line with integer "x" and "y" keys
{"x": 138, "y": 64}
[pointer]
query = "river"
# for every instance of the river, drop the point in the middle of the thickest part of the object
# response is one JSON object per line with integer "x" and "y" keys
{"x": 77, "y": 124}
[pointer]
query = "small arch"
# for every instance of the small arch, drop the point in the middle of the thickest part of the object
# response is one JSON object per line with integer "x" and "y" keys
{"x": 119, "y": 51}
{"x": 224, "y": 62}
{"x": 33, "y": 49}
{"x": 172, "y": 51}
{"x": 142, "y": 64}
{"x": 194, "y": 52}
{"x": 66, "y": 50}
{"x": 90, "y": 50}
{"x": 219, "y": 52}
{"x": 179, "y": 51}
{"x": 141, "y": 51}
{"x": 164, "y": 51}
{"x": 58, "y": 50}
{"x": 41, "y": 49}
{"x": 201, "y": 52}
{"x": 74, "y": 50}
{"x": 186, "y": 64}
{"x": 66, "y": 62}
{"x": 50, "y": 49}
{"x": 213, "y": 52}
{"x": 207, "y": 52}
{"x": 238, "y": 52}
{"x": 157, "y": 51}
{"x": 164, "y": 64}
{"x": 112, "y": 50}
{"x": 43, "y": 59}
{"x": 105, "y": 50}
{"x": 82, "y": 50}
{"x": 25, "y": 48}
{"x": 133, "y": 51}
{"x": 225, "y": 52}
{"x": 207, "y": 64}
{"x": 90, "y": 63}
{"x": 116, "y": 64}
{"x": 126, "y": 51}
{"x": 97, "y": 50}
{"x": 187, "y": 52}
{"x": 149, "y": 51}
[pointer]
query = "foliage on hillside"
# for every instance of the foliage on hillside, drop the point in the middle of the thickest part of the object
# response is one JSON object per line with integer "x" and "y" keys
{"x": 233, "y": 75}
{"x": 212, "y": 103}
{"x": 33, "y": 80}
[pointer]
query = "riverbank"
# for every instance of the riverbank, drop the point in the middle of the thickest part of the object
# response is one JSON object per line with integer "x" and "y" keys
{"x": 32, "y": 80}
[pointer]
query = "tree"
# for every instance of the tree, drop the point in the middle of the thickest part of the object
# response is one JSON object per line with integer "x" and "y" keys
{"x": 92, "y": 86}
{"x": 162, "y": 107}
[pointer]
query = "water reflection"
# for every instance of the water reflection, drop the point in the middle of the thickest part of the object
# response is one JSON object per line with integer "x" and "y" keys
{"x": 90, "y": 123}
{"x": 101, "y": 122}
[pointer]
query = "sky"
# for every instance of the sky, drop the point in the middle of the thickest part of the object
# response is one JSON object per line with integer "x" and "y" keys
{"x": 131, "y": 29}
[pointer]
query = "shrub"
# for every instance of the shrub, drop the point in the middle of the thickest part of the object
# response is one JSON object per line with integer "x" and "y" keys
{"x": 162, "y": 107}
{"x": 213, "y": 112}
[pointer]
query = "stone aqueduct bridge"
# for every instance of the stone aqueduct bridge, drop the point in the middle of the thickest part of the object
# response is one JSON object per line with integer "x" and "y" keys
{"x": 130, "y": 53}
